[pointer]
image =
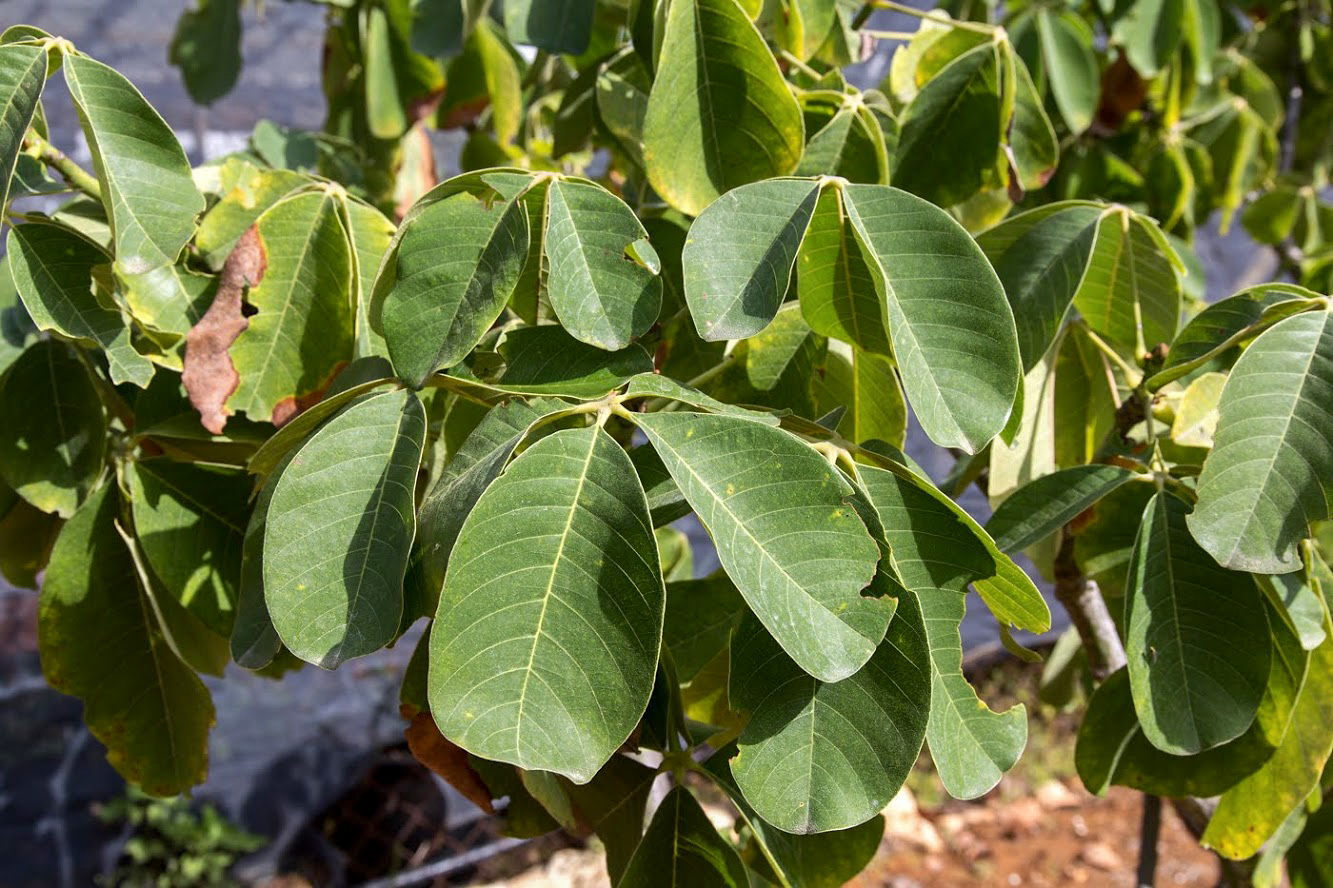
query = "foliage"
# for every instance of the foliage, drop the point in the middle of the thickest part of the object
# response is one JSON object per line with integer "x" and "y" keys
{"x": 172, "y": 846}
{"x": 281, "y": 407}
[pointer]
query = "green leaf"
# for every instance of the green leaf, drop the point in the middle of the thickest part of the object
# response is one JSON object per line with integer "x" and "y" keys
{"x": 302, "y": 328}
{"x": 1040, "y": 257}
{"x": 370, "y": 232}
{"x": 207, "y": 49}
{"x": 546, "y": 360}
{"x": 22, "y": 76}
{"x": 545, "y": 646}
{"x": 1086, "y": 399}
{"x": 850, "y": 144}
{"x": 665, "y": 501}
{"x": 1104, "y": 545}
{"x": 169, "y": 299}
{"x": 447, "y": 279}
{"x": 1149, "y": 31}
{"x": 1196, "y": 414}
{"x": 190, "y": 521}
{"x": 55, "y": 440}
{"x": 150, "y": 710}
{"x": 1071, "y": 66}
{"x": 936, "y": 557}
{"x": 1309, "y": 864}
{"x": 563, "y": 26}
{"x": 818, "y": 756}
{"x": 247, "y": 191}
{"x": 1032, "y": 144}
{"x": 612, "y": 804}
{"x": 53, "y": 269}
{"x": 1297, "y": 598}
{"x": 682, "y": 847}
{"x": 719, "y": 114}
{"x": 841, "y": 294}
{"x": 796, "y": 550}
{"x": 657, "y": 385}
{"x": 868, "y": 387}
{"x": 622, "y": 100}
{"x": 385, "y": 112}
{"x": 254, "y": 641}
{"x": 17, "y": 331}
{"x": 953, "y": 333}
{"x": 1268, "y": 475}
{"x": 336, "y": 542}
{"x": 1198, "y": 653}
{"x": 485, "y": 74}
{"x": 601, "y": 293}
{"x": 1112, "y": 750}
{"x": 740, "y": 254}
{"x": 144, "y": 175}
{"x": 1130, "y": 292}
{"x": 956, "y": 115}
{"x": 478, "y": 462}
{"x": 1043, "y": 506}
{"x": 1254, "y": 809}
{"x": 700, "y": 615}
{"x": 26, "y": 537}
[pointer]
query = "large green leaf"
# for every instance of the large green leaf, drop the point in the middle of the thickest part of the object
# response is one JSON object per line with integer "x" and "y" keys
{"x": 841, "y": 296}
{"x": 169, "y": 299}
{"x": 612, "y": 804}
{"x": 1198, "y": 648}
{"x": 1112, "y": 750}
{"x": 447, "y": 279}
{"x": 53, "y": 269}
{"x": 785, "y": 534}
{"x": 55, "y": 428}
{"x": 739, "y": 257}
{"x": 682, "y": 849}
{"x": 147, "y": 188}
{"x": 545, "y": 646}
{"x": 1150, "y": 31}
{"x": 868, "y": 387}
{"x": 1067, "y": 50}
{"x": 1130, "y": 292}
{"x": 953, "y": 333}
{"x": 207, "y": 49}
{"x": 602, "y": 276}
{"x": 338, "y": 531}
{"x": 100, "y": 642}
{"x": 700, "y": 615}
{"x": 546, "y": 360}
{"x": 956, "y": 115}
{"x": 190, "y": 521}
{"x": 1254, "y": 809}
{"x": 936, "y": 557}
{"x": 247, "y": 190}
{"x": 818, "y": 756}
{"x": 719, "y": 114}
{"x": 22, "y": 76}
{"x": 254, "y": 642}
{"x": 1043, "y": 506}
{"x": 1271, "y": 469}
{"x": 1040, "y": 257}
{"x": 302, "y": 327}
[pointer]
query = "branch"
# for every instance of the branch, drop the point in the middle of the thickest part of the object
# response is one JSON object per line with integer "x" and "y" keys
{"x": 1082, "y": 599}
{"x": 70, "y": 171}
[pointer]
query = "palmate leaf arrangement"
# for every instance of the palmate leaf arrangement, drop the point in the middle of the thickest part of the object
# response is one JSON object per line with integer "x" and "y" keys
{"x": 690, "y": 269}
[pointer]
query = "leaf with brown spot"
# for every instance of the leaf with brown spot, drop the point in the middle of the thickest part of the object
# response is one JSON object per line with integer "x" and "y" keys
{"x": 447, "y": 760}
{"x": 209, "y": 375}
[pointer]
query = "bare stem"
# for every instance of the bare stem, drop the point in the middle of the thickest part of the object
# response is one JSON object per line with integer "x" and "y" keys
{"x": 931, "y": 17}
{"x": 1082, "y": 599}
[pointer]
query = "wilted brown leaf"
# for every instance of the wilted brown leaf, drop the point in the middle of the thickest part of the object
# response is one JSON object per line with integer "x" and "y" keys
{"x": 209, "y": 374}
{"x": 447, "y": 760}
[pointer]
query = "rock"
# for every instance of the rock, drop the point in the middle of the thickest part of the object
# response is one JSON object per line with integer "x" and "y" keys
{"x": 1101, "y": 856}
{"x": 1054, "y": 795}
{"x": 1023, "y": 816}
{"x": 905, "y": 826}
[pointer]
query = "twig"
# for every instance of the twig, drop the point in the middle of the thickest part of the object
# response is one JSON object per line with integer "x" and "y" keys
{"x": 70, "y": 171}
{"x": 1087, "y": 610}
{"x": 931, "y": 17}
{"x": 1150, "y": 828}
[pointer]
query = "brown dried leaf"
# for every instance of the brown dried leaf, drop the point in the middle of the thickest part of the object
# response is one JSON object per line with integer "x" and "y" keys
{"x": 209, "y": 375}
{"x": 447, "y": 760}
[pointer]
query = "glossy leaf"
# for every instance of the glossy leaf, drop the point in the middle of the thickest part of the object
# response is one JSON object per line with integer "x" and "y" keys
{"x": 338, "y": 530}
{"x": 1269, "y": 473}
{"x": 190, "y": 522}
{"x": 719, "y": 114}
{"x": 302, "y": 326}
{"x": 953, "y": 333}
{"x": 446, "y": 281}
{"x": 151, "y": 711}
{"x": 741, "y": 251}
{"x": 1043, "y": 506}
{"x": 796, "y": 550}
{"x": 972, "y": 746}
{"x": 145, "y": 177}
{"x": 51, "y": 456}
{"x": 536, "y": 659}
{"x": 22, "y": 76}
{"x": 53, "y": 269}
{"x": 817, "y": 756}
{"x": 601, "y": 292}
{"x": 682, "y": 848}
{"x": 1197, "y": 632}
